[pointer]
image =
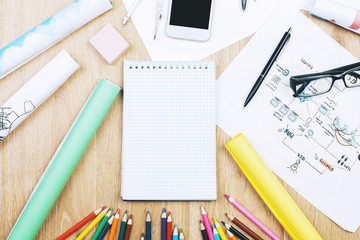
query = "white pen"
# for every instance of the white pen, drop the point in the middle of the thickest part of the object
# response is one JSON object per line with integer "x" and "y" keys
{"x": 131, "y": 10}
{"x": 158, "y": 16}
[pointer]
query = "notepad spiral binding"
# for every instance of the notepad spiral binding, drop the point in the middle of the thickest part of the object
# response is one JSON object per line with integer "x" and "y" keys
{"x": 168, "y": 65}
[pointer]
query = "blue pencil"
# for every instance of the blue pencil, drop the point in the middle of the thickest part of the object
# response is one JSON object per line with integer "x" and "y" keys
{"x": 106, "y": 228}
{"x": 175, "y": 233}
{"x": 148, "y": 226}
{"x": 216, "y": 234}
{"x": 163, "y": 225}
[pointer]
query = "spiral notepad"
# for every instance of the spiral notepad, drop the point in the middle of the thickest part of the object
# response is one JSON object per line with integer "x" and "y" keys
{"x": 169, "y": 131}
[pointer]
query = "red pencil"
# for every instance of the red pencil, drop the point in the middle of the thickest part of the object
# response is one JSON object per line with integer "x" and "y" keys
{"x": 169, "y": 227}
{"x": 80, "y": 224}
{"x": 128, "y": 228}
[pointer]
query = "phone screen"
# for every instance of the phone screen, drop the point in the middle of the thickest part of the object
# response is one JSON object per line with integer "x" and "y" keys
{"x": 190, "y": 13}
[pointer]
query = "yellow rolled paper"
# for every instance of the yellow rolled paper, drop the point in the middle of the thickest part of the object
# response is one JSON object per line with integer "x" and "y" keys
{"x": 270, "y": 190}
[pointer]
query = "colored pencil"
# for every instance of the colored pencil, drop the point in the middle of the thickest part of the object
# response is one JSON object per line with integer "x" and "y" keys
{"x": 181, "y": 235}
{"x": 215, "y": 232}
{"x": 231, "y": 236}
{"x": 142, "y": 237}
{"x": 175, "y": 235}
{"x": 102, "y": 225}
{"x": 203, "y": 231}
{"x": 235, "y": 231}
{"x": 163, "y": 225}
{"x": 207, "y": 223}
{"x": 114, "y": 225}
{"x": 92, "y": 224}
{"x": 243, "y": 227}
{"x": 169, "y": 227}
{"x": 106, "y": 228}
{"x": 123, "y": 227}
{"x": 148, "y": 226}
{"x": 248, "y": 214}
{"x": 128, "y": 228}
{"x": 77, "y": 226}
{"x": 220, "y": 230}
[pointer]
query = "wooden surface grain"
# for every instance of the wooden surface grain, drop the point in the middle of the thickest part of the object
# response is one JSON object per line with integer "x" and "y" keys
{"x": 26, "y": 152}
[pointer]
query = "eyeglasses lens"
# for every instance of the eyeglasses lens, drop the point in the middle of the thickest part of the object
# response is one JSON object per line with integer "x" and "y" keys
{"x": 352, "y": 79}
{"x": 314, "y": 87}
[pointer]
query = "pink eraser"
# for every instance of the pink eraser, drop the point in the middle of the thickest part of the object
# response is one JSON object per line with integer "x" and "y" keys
{"x": 109, "y": 43}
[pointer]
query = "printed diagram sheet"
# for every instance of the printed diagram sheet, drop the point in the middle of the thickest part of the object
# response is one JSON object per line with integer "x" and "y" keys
{"x": 312, "y": 143}
{"x": 315, "y": 121}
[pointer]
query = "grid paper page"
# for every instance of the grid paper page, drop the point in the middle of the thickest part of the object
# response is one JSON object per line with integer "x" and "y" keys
{"x": 169, "y": 131}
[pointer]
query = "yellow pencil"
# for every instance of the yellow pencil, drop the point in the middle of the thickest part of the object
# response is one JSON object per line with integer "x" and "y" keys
{"x": 220, "y": 231}
{"x": 92, "y": 224}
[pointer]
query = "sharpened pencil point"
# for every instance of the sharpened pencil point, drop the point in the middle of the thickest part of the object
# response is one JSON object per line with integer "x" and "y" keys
{"x": 223, "y": 223}
{"x": 142, "y": 234}
{"x": 148, "y": 212}
{"x": 227, "y": 196}
{"x": 164, "y": 210}
{"x": 125, "y": 211}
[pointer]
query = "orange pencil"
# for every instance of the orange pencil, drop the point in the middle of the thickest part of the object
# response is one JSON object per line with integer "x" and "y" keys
{"x": 114, "y": 225}
{"x": 231, "y": 236}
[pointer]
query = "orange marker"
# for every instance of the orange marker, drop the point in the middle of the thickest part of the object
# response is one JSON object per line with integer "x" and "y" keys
{"x": 114, "y": 225}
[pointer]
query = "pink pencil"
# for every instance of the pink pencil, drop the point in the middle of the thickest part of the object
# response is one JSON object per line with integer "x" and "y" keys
{"x": 252, "y": 218}
{"x": 207, "y": 224}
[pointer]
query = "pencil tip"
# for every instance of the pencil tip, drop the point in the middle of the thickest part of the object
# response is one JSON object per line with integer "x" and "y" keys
{"x": 200, "y": 221}
{"x": 226, "y": 214}
{"x": 223, "y": 223}
{"x": 164, "y": 210}
{"x": 148, "y": 212}
{"x": 175, "y": 226}
{"x": 125, "y": 211}
{"x": 142, "y": 234}
{"x": 227, "y": 196}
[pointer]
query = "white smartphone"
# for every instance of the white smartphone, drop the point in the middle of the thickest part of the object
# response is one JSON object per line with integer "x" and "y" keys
{"x": 190, "y": 19}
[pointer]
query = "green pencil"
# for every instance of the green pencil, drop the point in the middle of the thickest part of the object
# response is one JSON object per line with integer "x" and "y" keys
{"x": 181, "y": 235}
{"x": 123, "y": 227}
{"x": 101, "y": 225}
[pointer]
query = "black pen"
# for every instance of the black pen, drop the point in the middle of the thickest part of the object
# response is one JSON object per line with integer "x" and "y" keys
{"x": 243, "y": 4}
{"x": 268, "y": 66}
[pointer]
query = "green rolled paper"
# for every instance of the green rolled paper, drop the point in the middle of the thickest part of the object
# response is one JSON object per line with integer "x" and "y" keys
{"x": 64, "y": 161}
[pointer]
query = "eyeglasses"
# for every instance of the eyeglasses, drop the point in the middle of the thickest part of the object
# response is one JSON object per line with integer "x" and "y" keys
{"x": 309, "y": 85}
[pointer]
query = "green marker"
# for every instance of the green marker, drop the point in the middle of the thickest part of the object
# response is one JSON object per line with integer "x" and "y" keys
{"x": 123, "y": 227}
{"x": 102, "y": 224}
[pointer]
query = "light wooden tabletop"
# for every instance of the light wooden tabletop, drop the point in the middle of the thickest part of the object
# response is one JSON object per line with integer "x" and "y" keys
{"x": 95, "y": 182}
